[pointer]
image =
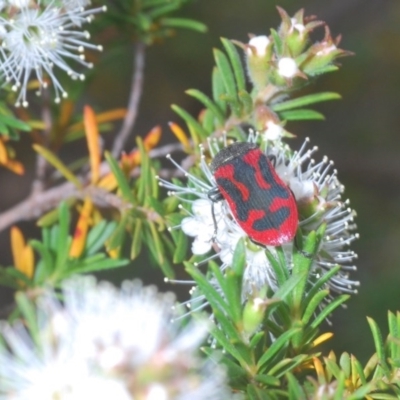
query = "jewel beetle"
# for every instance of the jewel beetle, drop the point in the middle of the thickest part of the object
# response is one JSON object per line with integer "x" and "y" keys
{"x": 260, "y": 202}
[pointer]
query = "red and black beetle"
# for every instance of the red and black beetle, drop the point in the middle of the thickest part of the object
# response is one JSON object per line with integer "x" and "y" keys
{"x": 259, "y": 200}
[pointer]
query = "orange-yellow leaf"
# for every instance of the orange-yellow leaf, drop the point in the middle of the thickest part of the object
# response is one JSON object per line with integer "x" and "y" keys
{"x": 332, "y": 356}
{"x": 130, "y": 161}
{"x": 17, "y": 245}
{"x": 96, "y": 216}
{"x": 111, "y": 115}
{"x": 106, "y": 116}
{"x": 108, "y": 182}
{"x": 113, "y": 253}
{"x": 22, "y": 254}
{"x": 152, "y": 138}
{"x": 179, "y": 133}
{"x": 81, "y": 230}
{"x": 93, "y": 142}
{"x": 319, "y": 369}
{"x": 66, "y": 110}
{"x": 322, "y": 338}
{"x": 3, "y": 153}
{"x": 28, "y": 261}
{"x": 15, "y": 166}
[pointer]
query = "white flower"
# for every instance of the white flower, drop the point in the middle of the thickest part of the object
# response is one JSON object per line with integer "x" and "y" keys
{"x": 318, "y": 196}
{"x": 35, "y": 40}
{"x": 259, "y": 44}
{"x": 201, "y": 226}
{"x": 274, "y": 131}
{"x": 287, "y": 67}
{"x": 106, "y": 343}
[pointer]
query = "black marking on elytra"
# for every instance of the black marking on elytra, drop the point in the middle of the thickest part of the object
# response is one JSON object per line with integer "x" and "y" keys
{"x": 260, "y": 199}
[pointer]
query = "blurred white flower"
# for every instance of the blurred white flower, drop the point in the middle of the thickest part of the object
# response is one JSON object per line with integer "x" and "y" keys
{"x": 106, "y": 343}
{"x": 35, "y": 39}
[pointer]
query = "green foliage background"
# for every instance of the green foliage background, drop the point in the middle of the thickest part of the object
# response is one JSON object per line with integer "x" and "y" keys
{"x": 361, "y": 132}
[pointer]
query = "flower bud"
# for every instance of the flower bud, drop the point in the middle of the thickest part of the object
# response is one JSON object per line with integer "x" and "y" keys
{"x": 295, "y": 31}
{"x": 253, "y": 314}
{"x": 322, "y": 55}
{"x": 258, "y": 54}
{"x": 268, "y": 124}
{"x": 285, "y": 71}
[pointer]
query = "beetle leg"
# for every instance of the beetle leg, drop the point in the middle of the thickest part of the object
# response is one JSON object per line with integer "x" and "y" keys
{"x": 214, "y": 236}
{"x": 272, "y": 159}
{"x": 214, "y": 195}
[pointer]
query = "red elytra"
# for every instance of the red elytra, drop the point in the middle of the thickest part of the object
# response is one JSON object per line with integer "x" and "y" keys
{"x": 259, "y": 200}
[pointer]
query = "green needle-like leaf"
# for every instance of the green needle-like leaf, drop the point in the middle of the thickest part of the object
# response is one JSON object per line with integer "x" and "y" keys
{"x": 278, "y": 42}
{"x": 305, "y": 101}
{"x": 366, "y": 389}
{"x": 296, "y": 392}
{"x": 162, "y": 10}
{"x": 137, "y": 238}
{"x": 214, "y": 108}
{"x": 301, "y": 115}
{"x": 379, "y": 345}
{"x": 236, "y": 63}
{"x": 158, "y": 252}
{"x": 211, "y": 294}
{"x": 181, "y": 246}
{"x": 320, "y": 283}
{"x": 302, "y": 264}
{"x": 267, "y": 380}
{"x": 98, "y": 235}
{"x": 123, "y": 184}
{"x": 333, "y": 368}
{"x": 329, "y": 309}
{"x": 184, "y": 23}
{"x": 278, "y": 265}
{"x": 218, "y": 89}
{"x": 288, "y": 286}
{"x": 227, "y": 345}
{"x": 394, "y": 338}
{"x": 226, "y": 74}
{"x": 313, "y": 304}
{"x": 44, "y": 267}
{"x": 52, "y": 159}
{"x": 15, "y": 123}
{"x": 233, "y": 295}
{"x": 287, "y": 364}
{"x": 27, "y": 309}
{"x": 195, "y": 128}
{"x": 276, "y": 346}
{"x": 63, "y": 238}
{"x": 345, "y": 364}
